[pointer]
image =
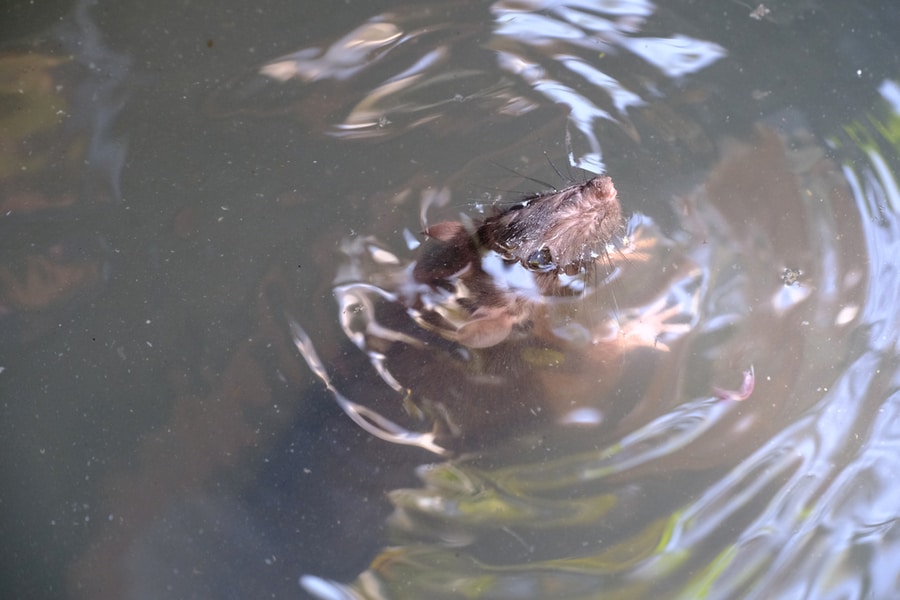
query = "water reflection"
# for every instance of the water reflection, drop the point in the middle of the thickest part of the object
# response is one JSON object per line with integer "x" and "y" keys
{"x": 61, "y": 161}
{"x": 547, "y": 52}
{"x": 773, "y": 202}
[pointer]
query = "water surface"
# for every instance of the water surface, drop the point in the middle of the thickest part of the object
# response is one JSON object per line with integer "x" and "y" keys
{"x": 179, "y": 191}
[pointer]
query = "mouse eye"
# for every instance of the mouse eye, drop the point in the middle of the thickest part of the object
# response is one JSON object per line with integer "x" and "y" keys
{"x": 541, "y": 260}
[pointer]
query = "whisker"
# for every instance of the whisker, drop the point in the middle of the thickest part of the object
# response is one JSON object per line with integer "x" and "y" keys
{"x": 553, "y": 166}
{"x": 523, "y": 176}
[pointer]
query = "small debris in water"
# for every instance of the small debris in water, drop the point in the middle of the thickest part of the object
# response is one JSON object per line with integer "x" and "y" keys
{"x": 791, "y": 276}
{"x": 760, "y": 12}
{"x": 745, "y": 390}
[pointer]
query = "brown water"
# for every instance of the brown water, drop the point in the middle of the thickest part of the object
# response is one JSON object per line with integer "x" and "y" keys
{"x": 184, "y": 196}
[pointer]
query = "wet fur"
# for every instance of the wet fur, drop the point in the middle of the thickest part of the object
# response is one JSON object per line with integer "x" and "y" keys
{"x": 551, "y": 234}
{"x": 558, "y": 232}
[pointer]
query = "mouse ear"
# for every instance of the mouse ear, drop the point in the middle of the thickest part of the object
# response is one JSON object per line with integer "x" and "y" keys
{"x": 449, "y": 250}
{"x": 446, "y": 231}
{"x": 487, "y": 327}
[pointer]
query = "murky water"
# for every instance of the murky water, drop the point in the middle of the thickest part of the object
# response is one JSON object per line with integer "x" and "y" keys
{"x": 196, "y": 210}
